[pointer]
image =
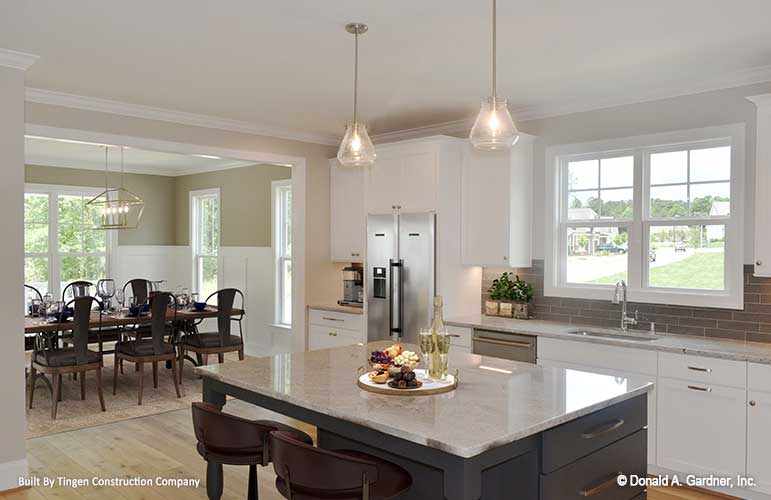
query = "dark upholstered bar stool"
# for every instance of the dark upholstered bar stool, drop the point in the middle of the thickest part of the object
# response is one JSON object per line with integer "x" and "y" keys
{"x": 231, "y": 440}
{"x": 308, "y": 473}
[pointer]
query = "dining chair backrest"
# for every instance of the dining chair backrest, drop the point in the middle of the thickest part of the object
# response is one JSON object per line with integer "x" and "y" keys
{"x": 225, "y": 301}
{"x": 140, "y": 289}
{"x": 82, "y": 324}
{"x": 159, "y": 305}
{"x": 34, "y": 290}
{"x": 305, "y": 468}
{"x": 77, "y": 289}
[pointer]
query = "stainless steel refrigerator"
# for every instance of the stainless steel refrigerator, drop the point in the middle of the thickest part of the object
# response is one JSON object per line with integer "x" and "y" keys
{"x": 401, "y": 268}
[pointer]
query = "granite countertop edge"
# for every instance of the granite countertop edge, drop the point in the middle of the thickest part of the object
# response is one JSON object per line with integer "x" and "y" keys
{"x": 754, "y": 352}
{"x": 465, "y": 452}
{"x": 332, "y": 307}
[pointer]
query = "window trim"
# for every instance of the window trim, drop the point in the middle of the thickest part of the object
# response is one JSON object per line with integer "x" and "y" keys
{"x": 642, "y": 146}
{"x": 279, "y": 258}
{"x": 192, "y": 195}
{"x": 53, "y": 255}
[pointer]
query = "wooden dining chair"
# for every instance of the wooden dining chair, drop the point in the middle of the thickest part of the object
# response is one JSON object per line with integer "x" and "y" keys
{"x": 53, "y": 361}
{"x": 315, "y": 474}
{"x": 140, "y": 289}
{"x": 153, "y": 350}
{"x": 225, "y": 439}
{"x": 220, "y": 342}
{"x": 75, "y": 288}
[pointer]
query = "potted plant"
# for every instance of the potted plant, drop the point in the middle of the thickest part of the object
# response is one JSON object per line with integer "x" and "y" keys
{"x": 521, "y": 295}
{"x": 500, "y": 293}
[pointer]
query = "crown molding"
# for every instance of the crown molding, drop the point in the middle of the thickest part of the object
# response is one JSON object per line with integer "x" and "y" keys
{"x": 17, "y": 60}
{"x": 31, "y": 159}
{"x": 760, "y": 100}
{"x": 760, "y": 74}
{"x": 75, "y": 101}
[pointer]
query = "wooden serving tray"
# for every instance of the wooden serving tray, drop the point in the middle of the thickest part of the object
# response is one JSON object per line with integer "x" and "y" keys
{"x": 429, "y": 387}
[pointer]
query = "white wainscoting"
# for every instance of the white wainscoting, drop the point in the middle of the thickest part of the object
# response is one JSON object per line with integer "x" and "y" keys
{"x": 250, "y": 269}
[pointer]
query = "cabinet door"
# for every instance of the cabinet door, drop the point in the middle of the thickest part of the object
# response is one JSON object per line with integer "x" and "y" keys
{"x": 320, "y": 337}
{"x": 759, "y": 439}
{"x": 762, "y": 186}
{"x": 383, "y": 185}
{"x": 347, "y": 213}
{"x": 485, "y": 213}
{"x": 701, "y": 428}
{"x": 418, "y": 183}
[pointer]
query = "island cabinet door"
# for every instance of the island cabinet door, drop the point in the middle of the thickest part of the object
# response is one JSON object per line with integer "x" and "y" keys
{"x": 701, "y": 427}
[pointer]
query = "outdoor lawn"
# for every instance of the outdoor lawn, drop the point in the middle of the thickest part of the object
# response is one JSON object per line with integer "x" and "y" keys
{"x": 703, "y": 270}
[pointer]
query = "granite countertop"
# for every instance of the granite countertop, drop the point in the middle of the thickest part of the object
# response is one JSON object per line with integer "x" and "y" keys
{"x": 756, "y": 352}
{"x": 335, "y": 307}
{"x": 497, "y": 402}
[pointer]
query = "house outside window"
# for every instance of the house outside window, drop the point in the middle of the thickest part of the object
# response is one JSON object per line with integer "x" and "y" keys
{"x": 282, "y": 249}
{"x": 60, "y": 242}
{"x": 664, "y": 213}
{"x": 205, "y": 239}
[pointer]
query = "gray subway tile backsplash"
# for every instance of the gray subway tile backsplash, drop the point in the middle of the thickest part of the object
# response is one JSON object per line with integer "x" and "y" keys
{"x": 753, "y": 323}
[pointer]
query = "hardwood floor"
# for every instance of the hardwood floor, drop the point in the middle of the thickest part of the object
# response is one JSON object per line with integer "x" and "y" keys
{"x": 162, "y": 445}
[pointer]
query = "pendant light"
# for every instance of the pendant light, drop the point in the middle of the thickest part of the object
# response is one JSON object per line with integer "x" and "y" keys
{"x": 115, "y": 208}
{"x": 494, "y": 128}
{"x": 356, "y": 150}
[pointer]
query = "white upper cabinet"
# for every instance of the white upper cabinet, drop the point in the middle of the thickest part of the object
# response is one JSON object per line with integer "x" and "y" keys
{"x": 348, "y": 216}
{"x": 763, "y": 186}
{"x": 403, "y": 178}
{"x": 497, "y": 205}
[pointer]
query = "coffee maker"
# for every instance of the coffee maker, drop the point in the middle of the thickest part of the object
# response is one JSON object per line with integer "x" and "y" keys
{"x": 353, "y": 286}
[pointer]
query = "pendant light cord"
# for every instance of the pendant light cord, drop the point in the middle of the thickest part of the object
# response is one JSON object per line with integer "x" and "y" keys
{"x": 495, "y": 55}
{"x": 356, "y": 76}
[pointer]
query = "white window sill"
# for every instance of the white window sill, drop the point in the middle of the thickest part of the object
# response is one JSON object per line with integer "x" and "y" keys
{"x": 280, "y": 326}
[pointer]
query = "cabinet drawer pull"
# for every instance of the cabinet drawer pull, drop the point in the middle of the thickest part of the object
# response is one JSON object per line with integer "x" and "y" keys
{"x": 331, "y": 319}
{"x": 702, "y": 389}
{"x": 603, "y": 429}
{"x": 753, "y": 403}
{"x": 509, "y": 343}
{"x": 332, "y": 334}
{"x": 604, "y": 485}
{"x": 699, "y": 369}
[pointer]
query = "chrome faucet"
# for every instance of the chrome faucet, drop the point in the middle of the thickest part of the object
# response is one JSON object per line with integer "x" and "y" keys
{"x": 625, "y": 320}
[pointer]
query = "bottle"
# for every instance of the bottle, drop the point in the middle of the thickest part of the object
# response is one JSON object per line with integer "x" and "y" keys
{"x": 437, "y": 328}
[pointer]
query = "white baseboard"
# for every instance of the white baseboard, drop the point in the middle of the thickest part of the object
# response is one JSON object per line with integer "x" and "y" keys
{"x": 10, "y": 472}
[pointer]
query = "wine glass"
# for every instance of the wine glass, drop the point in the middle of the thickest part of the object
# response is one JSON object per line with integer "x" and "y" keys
{"x": 426, "y": 343}
{"x": 120, "y": 296}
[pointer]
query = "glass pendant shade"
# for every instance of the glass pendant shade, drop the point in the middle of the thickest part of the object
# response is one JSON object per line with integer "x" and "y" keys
{"x": 116, "y": 208}
{"x": 494, "y": 128}
{"x": 357, "y": 149}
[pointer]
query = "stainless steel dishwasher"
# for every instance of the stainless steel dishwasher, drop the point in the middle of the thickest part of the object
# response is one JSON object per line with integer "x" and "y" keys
{"x": 513, "y": 346}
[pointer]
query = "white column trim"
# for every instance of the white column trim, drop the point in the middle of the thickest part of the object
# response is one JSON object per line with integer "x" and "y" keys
{"x": 10, "y": 472}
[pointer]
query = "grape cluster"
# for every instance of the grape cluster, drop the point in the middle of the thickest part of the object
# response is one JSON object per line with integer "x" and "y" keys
{"x": 380, "y": 357}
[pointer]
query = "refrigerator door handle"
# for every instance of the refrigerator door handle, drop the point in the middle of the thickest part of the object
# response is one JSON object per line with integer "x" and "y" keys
{"x": 395, "y": 317}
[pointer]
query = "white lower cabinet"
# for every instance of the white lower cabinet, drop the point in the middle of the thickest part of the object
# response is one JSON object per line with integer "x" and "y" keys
{"x": 701, "y": 428}
{"x": 759, "y": 426}
{"x": 334, "y": 329}
{"x": 461, "y": 342}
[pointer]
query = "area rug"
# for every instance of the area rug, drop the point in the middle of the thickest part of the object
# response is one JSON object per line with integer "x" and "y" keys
{"x": 73, "y": 413}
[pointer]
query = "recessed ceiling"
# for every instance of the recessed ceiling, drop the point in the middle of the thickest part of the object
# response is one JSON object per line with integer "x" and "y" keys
{"x": 69, "y": 154}
{"x": 289, "y": 63}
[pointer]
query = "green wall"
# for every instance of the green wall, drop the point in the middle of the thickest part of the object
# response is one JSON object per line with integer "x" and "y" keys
{"x": 245, "y": 195}
{"x": 157, "y": 226}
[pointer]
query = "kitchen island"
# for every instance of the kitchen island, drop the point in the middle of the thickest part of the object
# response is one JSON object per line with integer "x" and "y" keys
{"x": 510, "y": 430}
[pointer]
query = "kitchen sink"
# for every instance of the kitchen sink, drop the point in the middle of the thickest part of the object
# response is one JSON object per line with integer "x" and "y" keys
{"x": 612, "y": 335}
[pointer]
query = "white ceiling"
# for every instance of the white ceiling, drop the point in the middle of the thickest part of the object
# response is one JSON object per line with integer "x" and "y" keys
{"x": 57, "y": 153}
{"x": 288, "y": 63}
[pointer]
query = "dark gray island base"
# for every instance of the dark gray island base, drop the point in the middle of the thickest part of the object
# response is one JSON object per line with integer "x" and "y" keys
{"x": 580, "y": 458}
